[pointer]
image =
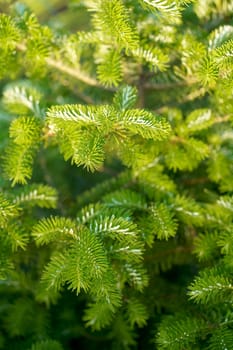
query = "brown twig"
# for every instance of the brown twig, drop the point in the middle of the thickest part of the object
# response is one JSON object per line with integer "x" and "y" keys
{"x": 73, "y": 72}
{"x": 167, "y": 86}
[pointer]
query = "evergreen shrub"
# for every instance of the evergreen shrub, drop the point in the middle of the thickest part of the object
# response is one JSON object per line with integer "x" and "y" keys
{"x": 116, "y": 175}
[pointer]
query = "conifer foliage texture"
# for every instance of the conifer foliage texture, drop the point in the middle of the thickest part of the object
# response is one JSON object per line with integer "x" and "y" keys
{"x": 116, "y": 174}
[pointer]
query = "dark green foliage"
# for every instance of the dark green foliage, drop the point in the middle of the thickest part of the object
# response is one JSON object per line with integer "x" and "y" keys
{"x": 179, "y": 332}
{"x": 116, "y": 175}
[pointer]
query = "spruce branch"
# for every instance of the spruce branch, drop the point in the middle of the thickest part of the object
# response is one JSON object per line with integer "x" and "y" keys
{"x": 83, "y": 77}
